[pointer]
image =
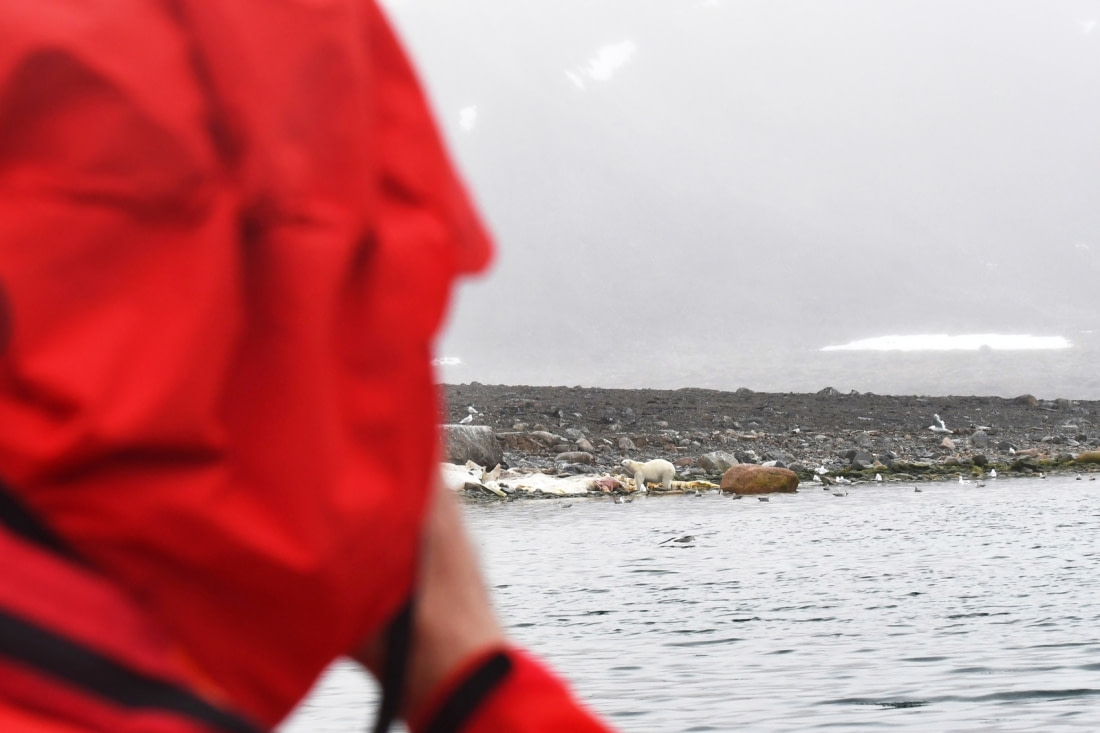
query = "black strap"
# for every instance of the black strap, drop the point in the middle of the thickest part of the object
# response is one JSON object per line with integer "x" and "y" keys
{"x": 394, "y": 666}
{"x": 469, "y": 695}
{"x": 20, "y": 521}
{"x": 91, "y": 672}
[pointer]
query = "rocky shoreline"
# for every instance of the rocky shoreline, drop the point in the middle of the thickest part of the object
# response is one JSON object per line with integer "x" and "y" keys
{"x": 573, "y": 431}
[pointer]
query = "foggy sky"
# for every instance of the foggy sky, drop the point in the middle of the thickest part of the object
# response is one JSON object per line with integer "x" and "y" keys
{"x": 705, "y": 192}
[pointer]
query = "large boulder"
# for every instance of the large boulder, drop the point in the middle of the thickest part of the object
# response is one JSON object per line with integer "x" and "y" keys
{"x": 475, "y": 443}
{"x": 759, "y": 480}
{"x": 716, "y": 461}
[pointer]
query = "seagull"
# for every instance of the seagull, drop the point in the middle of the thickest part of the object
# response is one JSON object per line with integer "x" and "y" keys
{"x": 681, "y": 539}
{"x": 737, "y": 496}
{"x": 993, "y": 474}
{"x": 842, "y": 480}
{"x": 821, "y": 470}
{"x": 980, "y": 484}
{"x": 472, "y": 410}
{"x": 1042, "y": 475}
{"x": 916, "y": 489}
{"x": 939, "y": 427}
{"x": 763, "y": 498}
{"x": 466, "y": 420}
{"x": 840, "y": 492}
{"x": 1078, "y": 477}
{"x": 961, "y": 481}
{"x": 816, "y": 479}
{"x": 623, "y": 499}
{"x": 878, "y": 477}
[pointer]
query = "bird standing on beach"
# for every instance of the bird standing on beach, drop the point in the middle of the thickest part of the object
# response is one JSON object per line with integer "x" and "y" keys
{"x": 939, "y": 427}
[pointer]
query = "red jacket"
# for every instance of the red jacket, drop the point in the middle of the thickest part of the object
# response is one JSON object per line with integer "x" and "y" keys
{"x": 227, "y": 235}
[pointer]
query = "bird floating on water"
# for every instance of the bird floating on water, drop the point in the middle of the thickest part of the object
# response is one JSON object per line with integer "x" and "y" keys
{"x": 939, "y": 427}
{"x": 623, "y": 499}
{"x": 763, "y": 498}
{"x": 961, "y": 481}
{"x": 737, "y": 496}
{"x": 993, "y": 473}
{"x": 916, "y": 489}
{"x": 878, "y": 477}
{"x": 840, "y": 492}
{"x": 682, "y": 539}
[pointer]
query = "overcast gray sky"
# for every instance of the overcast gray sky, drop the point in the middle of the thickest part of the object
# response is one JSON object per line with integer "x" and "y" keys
{"x": 678, "y": 183}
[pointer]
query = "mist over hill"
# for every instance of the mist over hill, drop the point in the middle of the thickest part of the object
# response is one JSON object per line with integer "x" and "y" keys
{"x": 711, "y": 191}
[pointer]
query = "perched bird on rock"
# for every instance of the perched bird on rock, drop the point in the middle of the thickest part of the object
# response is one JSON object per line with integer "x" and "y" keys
{"x": 939, "y": 427}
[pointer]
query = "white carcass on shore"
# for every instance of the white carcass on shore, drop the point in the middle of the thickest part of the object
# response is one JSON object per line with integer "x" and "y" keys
{"x": 502, "y": 483}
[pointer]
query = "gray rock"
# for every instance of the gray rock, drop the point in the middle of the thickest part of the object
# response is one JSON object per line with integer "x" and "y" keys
{"x": 627, "y": 444}
{"x": 979, "y": 439}
{"x": 747, "y": 456}
{"x": 865, "y": 457}
{"x": 546, "y": 438}
{"x": 575, "y": 456}
{"x": 574, "y": 468}
{"x": 475, "y": 443}
{"x": 716, "y": 461}
{"x": 585, "y": 445}
{"x": 573, "y": 434}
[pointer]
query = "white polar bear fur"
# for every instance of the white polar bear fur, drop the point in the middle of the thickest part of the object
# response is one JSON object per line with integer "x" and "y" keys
{"x": 656, "y": 471}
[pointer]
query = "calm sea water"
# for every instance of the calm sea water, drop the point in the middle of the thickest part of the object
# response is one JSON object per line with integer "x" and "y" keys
{"x": 956, "y": 608}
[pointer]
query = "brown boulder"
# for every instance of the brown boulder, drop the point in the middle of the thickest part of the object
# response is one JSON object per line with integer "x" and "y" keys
{"x": 749, "y": 479}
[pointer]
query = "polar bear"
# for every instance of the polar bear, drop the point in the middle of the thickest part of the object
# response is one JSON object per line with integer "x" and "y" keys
{"x": 657, "y": 470}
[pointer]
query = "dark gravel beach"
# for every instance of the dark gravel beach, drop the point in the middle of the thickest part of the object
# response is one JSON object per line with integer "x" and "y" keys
{"x": 852, "y": 433}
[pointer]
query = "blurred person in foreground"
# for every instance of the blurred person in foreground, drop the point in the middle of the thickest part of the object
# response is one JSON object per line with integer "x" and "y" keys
{"x": 228, "y": 231}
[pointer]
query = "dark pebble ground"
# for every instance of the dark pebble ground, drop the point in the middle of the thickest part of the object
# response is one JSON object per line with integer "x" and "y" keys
{"x": 852, "y": 434}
